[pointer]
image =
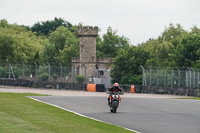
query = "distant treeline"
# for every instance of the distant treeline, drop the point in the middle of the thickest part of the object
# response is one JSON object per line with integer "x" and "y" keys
{"x": 56, "y": 41}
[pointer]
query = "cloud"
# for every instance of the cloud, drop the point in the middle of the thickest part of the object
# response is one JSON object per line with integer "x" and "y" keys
{"x": 137, "y": 20}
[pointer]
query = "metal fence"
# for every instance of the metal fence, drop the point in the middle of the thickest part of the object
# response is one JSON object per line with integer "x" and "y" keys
{"x": 38, "y": 72}
{"x": 189, "y": 77}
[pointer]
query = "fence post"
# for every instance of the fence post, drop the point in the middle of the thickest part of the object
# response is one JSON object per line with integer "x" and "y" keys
{"x": 61, "y": 68}
{"x": 35, "y": 70}
{"x": 23, "y": 69}
{"x": 194, "y": 73}
{"x": 186, "y": 78}
{"x": 85, "y": 72}
{"x": 9, "y": 70}
{"x": 143, "y": 76}
{"x": 157, "y": 75}
{"x": 198, "y": 79}
{"x": 189, "y": 84}
{"x": 149, "y": 75}
{"x": 165, "y": 75}
{"x": 49, "y": 69}
{"x": 172, "y": 74}
{"x": 73, "y": 71}
{"x": 178, "y": 76}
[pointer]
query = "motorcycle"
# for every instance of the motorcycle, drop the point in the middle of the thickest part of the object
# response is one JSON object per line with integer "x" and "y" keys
{"x": 114, "y": 100}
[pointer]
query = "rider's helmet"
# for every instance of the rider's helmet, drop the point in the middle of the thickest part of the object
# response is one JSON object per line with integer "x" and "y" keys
{"x": 116, "y": 84}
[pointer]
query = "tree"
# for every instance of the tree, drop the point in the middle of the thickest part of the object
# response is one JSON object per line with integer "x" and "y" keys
{"x": 159, "y": 52}
{"x": 195, "y": 31}
{"x": 164, "y": 50}
{"x": 188, "y": 51}
{"x": 60, "y": 47}
{"x": 18, "y": 44}
{"x": 126, "y": 67}
{"x": 173, "y": 34}
{"x": 110, "y": 44}
{"x": 46, "y": 27}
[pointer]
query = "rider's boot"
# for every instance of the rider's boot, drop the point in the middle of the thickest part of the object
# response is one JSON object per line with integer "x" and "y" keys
{"x": 108, "y": 102}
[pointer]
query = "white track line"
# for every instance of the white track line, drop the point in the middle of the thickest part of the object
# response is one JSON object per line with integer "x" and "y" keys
{"x": 79, "y": 114}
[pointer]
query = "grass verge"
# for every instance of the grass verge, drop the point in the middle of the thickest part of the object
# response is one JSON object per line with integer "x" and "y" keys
{"x": 194, "y": 98}
{"x": 19, "y": 114}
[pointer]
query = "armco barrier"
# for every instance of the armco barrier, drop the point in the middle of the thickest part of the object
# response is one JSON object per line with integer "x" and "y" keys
{"x": 96, "y": 87}
{"x": 100, "y": 88}
{"x": 91, "y": 87}
{"x": 38, "y": 84}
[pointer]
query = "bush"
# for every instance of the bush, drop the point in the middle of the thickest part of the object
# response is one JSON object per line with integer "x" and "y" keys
{"x": 4, "y": 72}
{"x": 80, "y": 78}
{"x": 43, "y": 69}
{"x": 43, "y": 77}
{"x": 17, "y": 71}
{"x": 69, "y": 74}
{"x": 55, "y": 76}
{"x": 43, "y": 73}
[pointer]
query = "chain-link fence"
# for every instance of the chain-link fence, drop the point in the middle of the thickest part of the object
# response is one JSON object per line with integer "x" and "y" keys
{"x": 177, "y": 77}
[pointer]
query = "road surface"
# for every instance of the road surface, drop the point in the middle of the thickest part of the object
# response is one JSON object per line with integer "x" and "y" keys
{"x": 145, "y": 115}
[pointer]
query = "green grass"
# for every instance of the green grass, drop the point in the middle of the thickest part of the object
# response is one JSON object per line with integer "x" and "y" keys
{"x": 194, "y": 98}
{"x": 19, "y": 114}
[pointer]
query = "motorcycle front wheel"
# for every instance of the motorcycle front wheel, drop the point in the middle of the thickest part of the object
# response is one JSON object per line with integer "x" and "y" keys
{"x": 114, "y": 110}
{"x": 111, "y": 110}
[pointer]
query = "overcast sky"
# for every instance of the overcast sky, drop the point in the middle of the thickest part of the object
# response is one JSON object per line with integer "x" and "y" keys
{"x": 138, "y": 20}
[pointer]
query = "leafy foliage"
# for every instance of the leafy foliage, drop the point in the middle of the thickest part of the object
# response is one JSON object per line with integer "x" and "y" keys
{"x": 56, "y": 42}
{"x": 159, "y": 51}
{"x": 111, "y": 44}
{"x": 18, "y": 44}
{"x": 188, "y": 51}
{"x": 43, "y": 77}
{"x": 60, "y": 47}
{"x": 4, "y": 72}
{"x": 80, "y": 78}
{"x": 44, "y": 28}
{"x": 126, "y": 66}
{"x": 173, "y": 34}
{"x": 43, "y": 73}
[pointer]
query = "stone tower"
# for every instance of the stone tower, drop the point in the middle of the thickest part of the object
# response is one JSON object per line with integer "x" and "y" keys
{"x": 87, "y": 59}
{"x": 88, "y": 44}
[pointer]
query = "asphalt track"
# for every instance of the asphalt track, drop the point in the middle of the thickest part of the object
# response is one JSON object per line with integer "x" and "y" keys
{"x": 145, "y": 115}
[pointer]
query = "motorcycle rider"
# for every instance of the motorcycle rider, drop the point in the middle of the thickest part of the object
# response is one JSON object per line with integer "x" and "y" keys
{"x": 115, "y": 88}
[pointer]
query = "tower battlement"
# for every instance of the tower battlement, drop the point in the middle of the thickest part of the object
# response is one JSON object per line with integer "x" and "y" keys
{"x": 88, "y": 31}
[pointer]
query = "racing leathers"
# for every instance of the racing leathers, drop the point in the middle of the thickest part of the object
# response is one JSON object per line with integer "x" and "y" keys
{"x": 113, "y": 89}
